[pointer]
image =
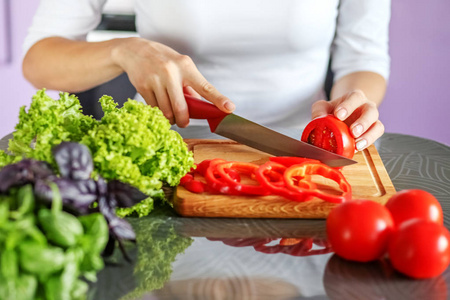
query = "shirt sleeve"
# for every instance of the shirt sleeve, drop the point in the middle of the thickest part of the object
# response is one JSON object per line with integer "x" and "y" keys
{"x": 362, "y": 37}
{"x": 63, "y": 18}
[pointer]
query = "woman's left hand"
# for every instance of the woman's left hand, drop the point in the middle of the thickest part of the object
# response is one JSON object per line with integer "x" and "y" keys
{"x": 358, "y": 112}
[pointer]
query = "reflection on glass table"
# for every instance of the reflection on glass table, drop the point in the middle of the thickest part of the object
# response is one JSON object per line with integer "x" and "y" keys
{"x": 218, "y": 259}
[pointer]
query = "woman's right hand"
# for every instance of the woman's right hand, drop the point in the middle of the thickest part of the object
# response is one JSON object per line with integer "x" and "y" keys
{"x": 162, "y": 76}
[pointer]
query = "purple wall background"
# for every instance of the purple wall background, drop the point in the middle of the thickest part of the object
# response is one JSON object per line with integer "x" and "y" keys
{"x": 416, "y": 103}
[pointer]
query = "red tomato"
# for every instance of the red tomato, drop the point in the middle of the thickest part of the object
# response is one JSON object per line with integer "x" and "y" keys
{"x": 331, "y": 134}
{"x": 409, "y": 204}
{"x": 359, "y": 230}
{"x": 420, "y": 249}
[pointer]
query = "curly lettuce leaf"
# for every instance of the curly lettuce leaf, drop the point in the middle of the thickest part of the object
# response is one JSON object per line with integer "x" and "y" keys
{"x": 46, "y": 124}
{"x": 136, "y": 145}
{"x": 6, "y": 159}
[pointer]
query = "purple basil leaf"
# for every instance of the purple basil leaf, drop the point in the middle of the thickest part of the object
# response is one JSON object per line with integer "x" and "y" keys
{"x": 74, "y": 160}
{"x": 77, "y": 196}
{"x": 23, "y": 172}
{"x": 119, "y": 229}
{"x": 125, "y": 194}
{"x": 105, "y": 207}
{"x": 102, "y": 187}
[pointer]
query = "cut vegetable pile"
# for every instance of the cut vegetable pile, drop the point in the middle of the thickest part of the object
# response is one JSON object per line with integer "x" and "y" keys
{"x": 288, "y": 177}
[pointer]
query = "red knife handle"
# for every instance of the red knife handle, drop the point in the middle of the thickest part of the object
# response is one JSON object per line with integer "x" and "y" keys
{"x": 199, "y": 109}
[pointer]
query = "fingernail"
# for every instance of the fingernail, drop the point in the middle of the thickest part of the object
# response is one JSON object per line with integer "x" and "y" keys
{"x": 341, "y": 113}
{"x": 357, "y": 130}
{"x": 229, "y": 106}
{"x": 361, "y": 144}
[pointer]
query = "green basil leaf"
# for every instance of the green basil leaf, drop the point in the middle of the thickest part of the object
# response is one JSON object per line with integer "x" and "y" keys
{"x": 9, "y": 264}
{"x": 25, "y": 198}
{"x": 96, "y": 233}
{"x": 26, "y": 287}
{"x": 55, "y": 289}
{"x": 79, "y": 290}
{"x": 91, "y": 262}
{"x": 61, "y": 228}
{"x": 37, "y": 259}
{"x": 4, "y": 211}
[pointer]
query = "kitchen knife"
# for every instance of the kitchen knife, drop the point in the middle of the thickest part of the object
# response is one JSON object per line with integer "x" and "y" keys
{"x": 257, "y": 136}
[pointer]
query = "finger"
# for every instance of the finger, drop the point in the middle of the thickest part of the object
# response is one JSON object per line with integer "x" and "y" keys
{"x": 321, "y": 108}
{"x": 370, "y": 136}
{"x": 208, "y": 91}
{"x": 348, "y": 103}
{"x": 149, "y": 97}
{"x": 164, "y": 104}
{"x": 191, "y": 92}
{"x": 178, "y": 103}
{"x": 368, "y": 116}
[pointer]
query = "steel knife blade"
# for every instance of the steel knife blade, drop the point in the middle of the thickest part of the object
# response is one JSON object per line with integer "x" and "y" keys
{"x": 258, "y": 136}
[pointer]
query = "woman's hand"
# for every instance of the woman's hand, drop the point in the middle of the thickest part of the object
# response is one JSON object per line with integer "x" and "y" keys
{"x": 358, "y": 112}
{"x": 162, "y": 76}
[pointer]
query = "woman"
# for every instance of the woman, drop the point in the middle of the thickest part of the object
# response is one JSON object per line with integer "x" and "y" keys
{"x": 266, "y": 60}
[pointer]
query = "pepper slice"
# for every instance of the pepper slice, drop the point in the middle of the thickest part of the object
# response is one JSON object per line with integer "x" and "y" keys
{"x": 264, "y": 174}
{"x": 201, "y": 167}
{"x": 306, "y": 169}
{"x": 226, "y": 173}
{"x": 215, "y": 181}
{"x": 193, "y": 185}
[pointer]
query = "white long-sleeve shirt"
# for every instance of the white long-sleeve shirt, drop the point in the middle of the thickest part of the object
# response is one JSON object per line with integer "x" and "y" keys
{"x": 269, "y": 57}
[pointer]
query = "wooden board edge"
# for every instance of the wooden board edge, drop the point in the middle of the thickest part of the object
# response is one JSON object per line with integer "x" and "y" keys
{"x": 253, "y": 207}
{"x": 383, "y": 180}
{"x": 191, "y": 143}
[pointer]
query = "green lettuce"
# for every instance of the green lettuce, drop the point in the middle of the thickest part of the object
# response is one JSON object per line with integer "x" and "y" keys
{"x": 46, "y": 124}
{"x": 134, "y": 144}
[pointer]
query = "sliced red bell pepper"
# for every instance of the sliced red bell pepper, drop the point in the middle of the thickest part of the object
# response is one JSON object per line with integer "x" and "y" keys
{"x": 186, "y": 178}
{"x": 307, "y": 169}
{"x": 225, "y": 169}
{"x": 215, "y": 180}
{"x": 201, "y": 167}
{"x": 279, "y": 187}
{"x": 293, "y": 182}
{"x": 195, "y": 186}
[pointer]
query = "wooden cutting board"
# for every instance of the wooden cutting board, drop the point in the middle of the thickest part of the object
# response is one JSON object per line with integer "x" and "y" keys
{"x": 368, "y": 178}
